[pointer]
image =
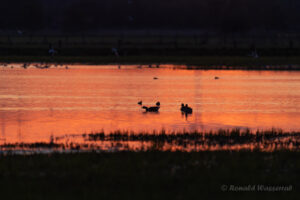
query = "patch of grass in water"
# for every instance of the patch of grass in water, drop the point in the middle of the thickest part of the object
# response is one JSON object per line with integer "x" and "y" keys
{"x": 235, "y": 139}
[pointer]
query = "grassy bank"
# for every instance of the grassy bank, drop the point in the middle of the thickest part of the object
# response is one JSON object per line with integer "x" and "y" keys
{"x": 193, "y": 62}
{"x": 148, "y": 175}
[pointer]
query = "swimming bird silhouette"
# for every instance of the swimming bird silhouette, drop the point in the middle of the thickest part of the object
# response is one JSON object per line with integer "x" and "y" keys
{"x": 186, "y": 109}
{"x": 140, "y": 102}
{"x": 151, "y": 109}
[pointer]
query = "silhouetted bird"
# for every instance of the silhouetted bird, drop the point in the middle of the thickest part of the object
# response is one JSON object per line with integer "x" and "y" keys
{"x": 217, "y": 78}
{"x": 186, "y": 109}
{"x": 151, "y": 109}
{"x": 140, "y": 102}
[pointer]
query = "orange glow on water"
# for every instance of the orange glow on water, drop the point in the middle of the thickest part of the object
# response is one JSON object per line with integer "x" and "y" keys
{"x": 35, "y": 104}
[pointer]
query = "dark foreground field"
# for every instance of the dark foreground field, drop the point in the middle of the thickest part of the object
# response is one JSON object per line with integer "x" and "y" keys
{"x": 151, "y": 175}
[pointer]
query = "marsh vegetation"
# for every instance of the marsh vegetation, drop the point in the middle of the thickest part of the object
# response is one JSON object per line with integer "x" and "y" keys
{"x": 221, "y": 140}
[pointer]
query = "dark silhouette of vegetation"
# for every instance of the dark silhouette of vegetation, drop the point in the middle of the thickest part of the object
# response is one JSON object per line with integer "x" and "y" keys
{"x": 236, "y": 139}
{"x": 148, "y": 175}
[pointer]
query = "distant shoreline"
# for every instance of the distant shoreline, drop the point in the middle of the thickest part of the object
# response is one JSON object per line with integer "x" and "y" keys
{"x": 192, "y": 62}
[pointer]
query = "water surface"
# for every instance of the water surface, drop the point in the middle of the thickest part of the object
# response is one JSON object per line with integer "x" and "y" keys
{"x": 38, "y": 103}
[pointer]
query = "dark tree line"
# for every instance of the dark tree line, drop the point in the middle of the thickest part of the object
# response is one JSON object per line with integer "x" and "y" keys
{"x": 89, "y": 15}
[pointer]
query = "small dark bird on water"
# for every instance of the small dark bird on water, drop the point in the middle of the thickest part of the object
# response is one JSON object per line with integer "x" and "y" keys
{"x": 186, "y": 109}
{"x": 155, "y": 78}
{"x": 140, "y": 102}
{"x": 216, "y": 78}
{"x": 151, "y": 109}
